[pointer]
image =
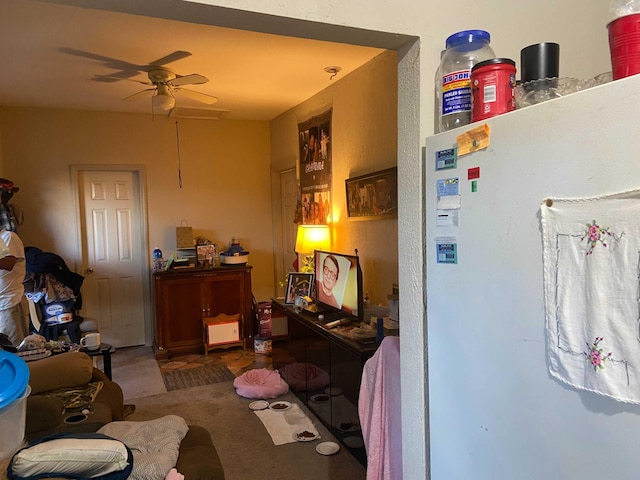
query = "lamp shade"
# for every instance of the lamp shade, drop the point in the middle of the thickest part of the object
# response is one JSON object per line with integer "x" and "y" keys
{"x": 312, "y": 237}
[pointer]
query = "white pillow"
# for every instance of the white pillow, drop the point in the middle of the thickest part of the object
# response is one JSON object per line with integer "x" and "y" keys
{"x": 85, "y": 458}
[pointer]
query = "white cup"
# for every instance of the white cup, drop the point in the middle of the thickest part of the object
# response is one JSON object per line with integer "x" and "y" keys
{"x": 91, "y": 341}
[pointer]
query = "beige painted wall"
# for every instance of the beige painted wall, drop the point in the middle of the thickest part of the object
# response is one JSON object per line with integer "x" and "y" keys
{"x": 225, "y": 177}
{"x": 364, "y": 140}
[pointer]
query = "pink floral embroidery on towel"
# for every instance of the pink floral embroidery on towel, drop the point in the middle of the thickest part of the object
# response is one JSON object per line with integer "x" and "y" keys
{"x": 595, "y": 355}
{"x": 595, "y": 234}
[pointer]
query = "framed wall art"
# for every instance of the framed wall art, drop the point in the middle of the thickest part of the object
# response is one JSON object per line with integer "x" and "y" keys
{"x": 373, "y": 196}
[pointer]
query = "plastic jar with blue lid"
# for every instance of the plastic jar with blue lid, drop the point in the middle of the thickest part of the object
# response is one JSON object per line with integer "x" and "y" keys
{"x": 14, "y": 377}
{"x": 453, "y": 83}
{"x": 14, "y": 388}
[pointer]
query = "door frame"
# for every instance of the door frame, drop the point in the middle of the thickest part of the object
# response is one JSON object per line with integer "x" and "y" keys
{"x": 278, "y": 224}
{"x": 140, "y": 171}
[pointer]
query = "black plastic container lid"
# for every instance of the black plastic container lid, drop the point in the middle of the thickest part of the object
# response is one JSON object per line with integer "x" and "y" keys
{"x": 540, "y": 61}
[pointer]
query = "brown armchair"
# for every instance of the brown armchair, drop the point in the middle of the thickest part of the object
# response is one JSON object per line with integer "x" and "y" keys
{"x": 72, "y": 370}
{"x": 197, "y": 460}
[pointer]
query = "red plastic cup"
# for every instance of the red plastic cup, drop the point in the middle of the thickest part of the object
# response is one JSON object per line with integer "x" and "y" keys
{"x": 624, "y": 45}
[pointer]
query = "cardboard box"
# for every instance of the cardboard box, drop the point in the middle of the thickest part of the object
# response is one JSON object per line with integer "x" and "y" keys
{"x": 264, "y": 319}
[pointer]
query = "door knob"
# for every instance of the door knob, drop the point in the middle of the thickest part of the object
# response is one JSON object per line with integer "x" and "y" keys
{"x": 89, "y": 270}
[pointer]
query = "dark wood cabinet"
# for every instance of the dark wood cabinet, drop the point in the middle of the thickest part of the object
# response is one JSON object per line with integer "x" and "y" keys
{"x": 324, "y": 369}
{"x": 183, "y": 297}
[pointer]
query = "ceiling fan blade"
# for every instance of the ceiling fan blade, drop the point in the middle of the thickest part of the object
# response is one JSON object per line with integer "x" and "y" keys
{"x": 192, "y": 79}
{"x": 143, "y": 93}
{"x": 107, "y": 61}
{"x": 116, "y": 78}
{"x": 200, "y": 97}
{"x": 172, "y": 57}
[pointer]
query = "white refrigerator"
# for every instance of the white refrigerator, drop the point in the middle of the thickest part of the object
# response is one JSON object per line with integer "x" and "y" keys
{"x": 495, "y": 412}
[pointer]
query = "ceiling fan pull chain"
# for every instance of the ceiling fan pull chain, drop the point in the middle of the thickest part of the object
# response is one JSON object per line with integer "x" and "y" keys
{"x": 179, "y": 160}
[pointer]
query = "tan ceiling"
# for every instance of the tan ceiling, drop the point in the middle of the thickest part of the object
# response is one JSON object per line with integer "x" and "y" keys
{"x": 50, "y": 54}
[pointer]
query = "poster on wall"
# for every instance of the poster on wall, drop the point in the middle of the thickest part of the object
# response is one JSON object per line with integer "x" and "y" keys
{"x": 315, "y": 169}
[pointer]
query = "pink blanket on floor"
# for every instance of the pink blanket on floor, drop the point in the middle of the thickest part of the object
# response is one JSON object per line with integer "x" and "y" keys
{"x": 379, "y": 411}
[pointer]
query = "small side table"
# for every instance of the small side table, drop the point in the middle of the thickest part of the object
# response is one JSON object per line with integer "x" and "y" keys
{"x": 105, "y": 350}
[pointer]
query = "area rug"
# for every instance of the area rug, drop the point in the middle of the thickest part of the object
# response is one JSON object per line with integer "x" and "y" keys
{"x": 245, "y": 447}
{"x": 196, "y": 377}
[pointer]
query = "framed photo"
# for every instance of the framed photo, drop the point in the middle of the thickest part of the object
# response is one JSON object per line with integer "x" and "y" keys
{"x": 205, "y": 253}
{"x": 299, "y": 284}
{"x": 373, "y": 196}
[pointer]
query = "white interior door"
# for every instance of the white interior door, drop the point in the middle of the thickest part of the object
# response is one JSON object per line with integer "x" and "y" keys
{"x": 113, "y": 255}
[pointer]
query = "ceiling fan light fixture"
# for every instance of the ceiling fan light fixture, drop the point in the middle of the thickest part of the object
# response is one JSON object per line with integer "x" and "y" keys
{"x": 163, "y": 101}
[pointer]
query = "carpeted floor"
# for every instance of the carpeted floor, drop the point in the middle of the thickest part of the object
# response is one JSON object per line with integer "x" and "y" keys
{"x": 243, "y": 444}
{"x": 196, "y": 377}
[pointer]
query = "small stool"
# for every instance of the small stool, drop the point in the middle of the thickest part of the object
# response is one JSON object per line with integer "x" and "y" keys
{"x": 220, "y": 331}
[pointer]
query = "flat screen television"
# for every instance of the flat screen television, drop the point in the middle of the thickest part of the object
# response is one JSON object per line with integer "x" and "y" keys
{"x": 338, "y": 280}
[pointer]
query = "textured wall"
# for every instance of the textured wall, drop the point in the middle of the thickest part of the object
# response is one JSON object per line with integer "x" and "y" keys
{"x": 364, "y": 140}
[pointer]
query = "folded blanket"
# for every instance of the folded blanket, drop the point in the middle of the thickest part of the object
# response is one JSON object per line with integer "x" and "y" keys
{"x": 155, "y": 444}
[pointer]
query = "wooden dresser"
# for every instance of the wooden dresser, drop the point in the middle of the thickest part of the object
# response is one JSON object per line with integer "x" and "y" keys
{"x": 183, "y": 297}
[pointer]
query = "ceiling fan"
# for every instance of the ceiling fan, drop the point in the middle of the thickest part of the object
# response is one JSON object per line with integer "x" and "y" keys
{"x": 166, "y": 83}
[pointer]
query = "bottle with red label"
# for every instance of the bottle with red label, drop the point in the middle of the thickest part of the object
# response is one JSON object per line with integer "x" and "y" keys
{"x": 453, "y": 83}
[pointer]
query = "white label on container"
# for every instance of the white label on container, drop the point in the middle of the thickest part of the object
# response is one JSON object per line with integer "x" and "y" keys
{"x": 456, "y": 92}
{"x": 489, "y": 93}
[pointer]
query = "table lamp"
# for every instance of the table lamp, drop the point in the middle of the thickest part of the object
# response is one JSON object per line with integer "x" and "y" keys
{"x": 308, "y": 239}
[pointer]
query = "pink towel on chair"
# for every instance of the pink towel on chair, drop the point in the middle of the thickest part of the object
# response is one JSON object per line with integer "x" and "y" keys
{"x": 379, "y": 411}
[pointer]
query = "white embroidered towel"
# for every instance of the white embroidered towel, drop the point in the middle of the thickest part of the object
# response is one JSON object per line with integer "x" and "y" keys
{"x": 282, "y": 430}
{"x": 592, "y": 295}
